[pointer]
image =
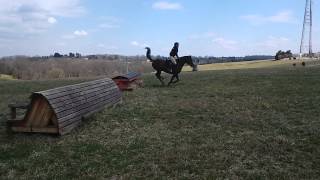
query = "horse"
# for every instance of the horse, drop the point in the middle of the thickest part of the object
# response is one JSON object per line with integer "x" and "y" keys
{"x": 165, "y": 65}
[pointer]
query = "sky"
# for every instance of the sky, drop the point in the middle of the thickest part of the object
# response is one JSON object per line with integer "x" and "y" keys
{"x": 203, "y": 27}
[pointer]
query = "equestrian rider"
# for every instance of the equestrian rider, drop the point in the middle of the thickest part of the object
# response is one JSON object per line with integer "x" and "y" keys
{"x": 174, "y": 53}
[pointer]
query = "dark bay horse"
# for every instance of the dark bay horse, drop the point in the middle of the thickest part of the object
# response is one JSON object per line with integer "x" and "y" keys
{"x": 165, "y": 65}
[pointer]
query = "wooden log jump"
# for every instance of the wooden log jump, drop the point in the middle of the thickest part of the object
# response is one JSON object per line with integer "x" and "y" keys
{"x": 58, "y": 111}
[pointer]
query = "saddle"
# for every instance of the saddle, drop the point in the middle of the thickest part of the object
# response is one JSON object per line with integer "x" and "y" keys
{"x": 170, "y": 64}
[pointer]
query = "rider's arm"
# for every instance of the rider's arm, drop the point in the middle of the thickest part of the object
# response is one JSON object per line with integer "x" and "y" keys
{"x": 177, "y": 54}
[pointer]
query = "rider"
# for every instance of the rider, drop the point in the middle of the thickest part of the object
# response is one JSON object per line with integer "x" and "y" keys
{"x": 174, "y": 54}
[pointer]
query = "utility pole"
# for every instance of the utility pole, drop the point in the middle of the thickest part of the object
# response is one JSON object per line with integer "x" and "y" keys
{"x": 307, "y": 30}
{"x": 127, "y": 65}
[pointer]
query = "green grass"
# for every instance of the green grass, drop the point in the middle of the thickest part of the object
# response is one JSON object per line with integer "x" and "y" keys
{"x": 248, "y": 124}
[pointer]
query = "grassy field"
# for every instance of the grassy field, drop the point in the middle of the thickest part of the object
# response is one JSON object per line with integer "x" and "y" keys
{"x": 6, "y": 77}
{"x": 252, "y": 64}
{"x": 258, "y": 123}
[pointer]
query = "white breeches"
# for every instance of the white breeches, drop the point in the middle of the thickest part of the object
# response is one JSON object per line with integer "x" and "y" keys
{"x": 173, "y": 59}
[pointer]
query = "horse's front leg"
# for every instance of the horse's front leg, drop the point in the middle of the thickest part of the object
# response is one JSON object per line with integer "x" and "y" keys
{"x": 177, "y": 79}
{"x": 158, "y": 74}
{"x": 172, "y": 78}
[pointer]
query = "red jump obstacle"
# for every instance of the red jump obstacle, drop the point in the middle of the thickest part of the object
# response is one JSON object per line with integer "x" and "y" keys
{"x": 129, "y": 81}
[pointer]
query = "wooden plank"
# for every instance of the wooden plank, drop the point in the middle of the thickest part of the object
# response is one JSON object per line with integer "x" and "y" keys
{"x": 19, "y": 105}
{"x": 71, "y": 96}
{"x": 66, "y": 112}
{"x": 92, "y": 111}
{"x": 75, "y": 87}
{"x": 70, "y": 122}
{"x": 54, "y": 119}
{"x": 41, "y": 110}
{"x": 37, "y": 118}
{"x": 83, "y": 112}
{"x": 35, "y": 130}
{"x": 72, "y": 87}
{"x": 68, "y": 92}
{"x": 81, "y": 100}
{"x": 33, "y": 112}
{"x": 67, "y": 127}
{"x": 46, "y": 116}
{"x": 45, "y": 119}
{"x": 71, "y": 105}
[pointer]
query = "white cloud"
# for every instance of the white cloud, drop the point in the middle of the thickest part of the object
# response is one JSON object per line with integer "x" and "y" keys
{"x": 52, "y": 20}
{"x": 109, "y": 22}
{"x": 80, "y": 33}
{"x": 134, "y": 43}
{"x": 270, "y": 45}
{"x": 281, "y": 17}
{"x": 225, "y": 43}
{"x": 103, "y": 46}
{"x": 274, "y": 43}
{"x": 34, "y": 16}
{"x": 163, "y": 5}
{"x": 137, "y": 44}
{"x": 76, "y": 34}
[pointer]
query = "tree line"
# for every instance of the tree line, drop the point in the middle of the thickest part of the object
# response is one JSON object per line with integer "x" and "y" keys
{"x": 74, "y": 65}
{"x": 60, "y": 68}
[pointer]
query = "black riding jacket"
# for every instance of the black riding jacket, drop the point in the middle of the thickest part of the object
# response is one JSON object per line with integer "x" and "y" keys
{"x": 174, "y": 52}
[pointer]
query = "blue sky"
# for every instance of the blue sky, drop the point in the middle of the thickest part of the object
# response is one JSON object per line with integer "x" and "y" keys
{"x": 204, "y": 27}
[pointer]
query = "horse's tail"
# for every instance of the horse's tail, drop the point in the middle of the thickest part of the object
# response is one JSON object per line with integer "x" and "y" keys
{"x": 148, "y": 54}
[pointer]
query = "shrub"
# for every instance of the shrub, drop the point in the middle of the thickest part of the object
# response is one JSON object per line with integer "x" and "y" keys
{"x": 56, "y": 73}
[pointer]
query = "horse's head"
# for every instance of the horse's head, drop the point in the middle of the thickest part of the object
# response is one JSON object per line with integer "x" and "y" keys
{"x": 188, "y": 60}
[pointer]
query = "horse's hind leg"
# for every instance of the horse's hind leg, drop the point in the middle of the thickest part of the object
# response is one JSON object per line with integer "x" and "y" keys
{"x": 158, "y": 74}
